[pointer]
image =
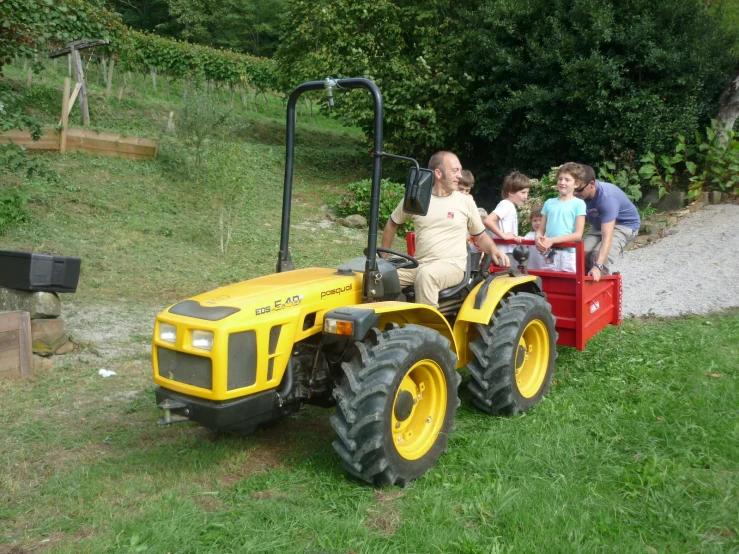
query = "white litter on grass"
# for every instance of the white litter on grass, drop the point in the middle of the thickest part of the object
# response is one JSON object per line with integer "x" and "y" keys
{"x": 106, "y": 373}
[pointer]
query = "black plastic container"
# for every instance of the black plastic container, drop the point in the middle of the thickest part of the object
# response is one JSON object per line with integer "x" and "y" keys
{"x": 38, "y": 272}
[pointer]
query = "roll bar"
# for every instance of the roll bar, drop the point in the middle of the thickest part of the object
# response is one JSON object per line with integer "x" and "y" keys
{"x": 372, "y": 277}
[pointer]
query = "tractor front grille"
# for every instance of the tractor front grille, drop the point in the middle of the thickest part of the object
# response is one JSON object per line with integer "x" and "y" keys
{"x": 185, "y": 368}
{"x": 242, "y": 359}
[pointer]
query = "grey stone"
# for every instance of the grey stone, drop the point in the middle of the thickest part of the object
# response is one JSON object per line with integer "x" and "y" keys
{"x": 355, "y": 221}
{"x": 716, "y": 197}
{"x": 653, "y": 228}
{"x": 671, "y": 201}
{"x": 39, "y": 304}
{"x": 651, "y": 197}
{"x": 705, "y": 198}
{"x": 48, "y": 335}
{"x": 64, "y": 348}
{"x": 41, "y": 362}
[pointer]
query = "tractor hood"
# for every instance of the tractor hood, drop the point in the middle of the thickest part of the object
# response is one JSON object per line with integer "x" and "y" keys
{"x": 274, "y": 293}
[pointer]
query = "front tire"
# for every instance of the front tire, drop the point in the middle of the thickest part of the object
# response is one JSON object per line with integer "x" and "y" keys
{"x": 396, "y": 405}
{"x": 514, "y": 356}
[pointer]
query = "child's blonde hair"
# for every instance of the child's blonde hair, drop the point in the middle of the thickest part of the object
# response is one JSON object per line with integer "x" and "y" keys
{"x": 575, "y": 170}
{"x": 515, "y": 182}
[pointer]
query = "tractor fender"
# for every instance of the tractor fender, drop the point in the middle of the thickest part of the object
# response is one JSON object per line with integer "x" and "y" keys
{"x": 480, "y": 304}
{"x": 379, "y": 314}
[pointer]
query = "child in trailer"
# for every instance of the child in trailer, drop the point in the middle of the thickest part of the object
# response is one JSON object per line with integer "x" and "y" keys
{"x": 563, "y": 220}
{"x": 535, "y": 257}
{"x": 503, "y": 221}
{"x": 466, "y": 182}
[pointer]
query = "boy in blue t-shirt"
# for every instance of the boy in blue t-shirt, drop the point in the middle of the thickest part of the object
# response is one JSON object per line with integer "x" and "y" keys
{"x": 563, "y": 220}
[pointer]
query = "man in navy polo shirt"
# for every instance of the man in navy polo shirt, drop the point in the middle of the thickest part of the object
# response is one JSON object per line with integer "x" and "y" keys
{"x": 614, "y": 223}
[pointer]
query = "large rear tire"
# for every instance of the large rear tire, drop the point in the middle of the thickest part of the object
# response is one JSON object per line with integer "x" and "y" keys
{"x": 396, "y": 405}
{"x": 513, "y": 357}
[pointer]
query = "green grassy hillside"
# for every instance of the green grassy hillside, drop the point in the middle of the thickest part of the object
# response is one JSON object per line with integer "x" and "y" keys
{"x": 149, "y": 229}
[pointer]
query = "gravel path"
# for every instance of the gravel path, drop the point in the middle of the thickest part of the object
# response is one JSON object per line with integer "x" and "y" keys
{"x": 694, "y": 269}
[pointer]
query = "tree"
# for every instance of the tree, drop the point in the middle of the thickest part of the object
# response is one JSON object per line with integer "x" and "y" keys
{"x": 242, "y": 25}
{"x": 523, "y": 84}
{"x": 410, "y": 49}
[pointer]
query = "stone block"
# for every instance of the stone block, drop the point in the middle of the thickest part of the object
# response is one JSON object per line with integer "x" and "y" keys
{"x": 355, "y": 221}
{"x": 64, "y": 348}
{"x": 39, "y": 304}
{"x": 42, "y": 362}
{"x": 716, "y": 196}
{"x": 48, "y": 335}
{"x": 671, "y": 201}
{"x": 705, "y": 198}
{"x": 651, "y": 197}
{"x": 653, "y": 228}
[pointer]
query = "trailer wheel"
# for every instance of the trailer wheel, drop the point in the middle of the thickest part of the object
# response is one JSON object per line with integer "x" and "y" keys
{"x": 513, "y": 357}
{"x": 396, "y": 405}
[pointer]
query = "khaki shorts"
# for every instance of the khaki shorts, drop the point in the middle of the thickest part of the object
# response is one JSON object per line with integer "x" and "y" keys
{"x": 622, "y": 235}
{"x": 430, "y": 278}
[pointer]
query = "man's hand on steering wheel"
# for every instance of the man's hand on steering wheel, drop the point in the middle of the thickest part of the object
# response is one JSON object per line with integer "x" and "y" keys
{"x": 401, "y": 260}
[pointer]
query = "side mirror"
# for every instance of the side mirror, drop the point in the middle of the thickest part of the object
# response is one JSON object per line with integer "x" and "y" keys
{"x": 418, "y": 191}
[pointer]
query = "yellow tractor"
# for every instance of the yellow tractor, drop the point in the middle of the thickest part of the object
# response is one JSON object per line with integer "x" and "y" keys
{"x": 348, "y": 338}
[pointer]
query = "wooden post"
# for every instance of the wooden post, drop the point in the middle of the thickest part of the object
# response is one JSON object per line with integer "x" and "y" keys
{"x": 25, "y": 62}
{"x": 154, "y": 78}
{"x": 120, "y": 94}
{"x": 170, "y": 122}
{"x": 29, "y": 79}
{"x": 109, "y": 84}
{"x": 16, "y": 351}
{"x": 231, "y": 86}
{"x": 80, "y": 72}
{"x": 65, "y": 116}
{"x": 104, "y": 64}
{"x": 69, "y": 64}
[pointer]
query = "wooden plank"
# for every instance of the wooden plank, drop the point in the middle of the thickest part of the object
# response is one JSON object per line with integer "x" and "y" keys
{"x": 65, "y": 116}
{"x": 16, "y": 354}
{"x": 9, "y": 340}
{"x": 111, "y": 137}
{"x": 9, "y": 321}
{"x": 97, "y": 145}
{"x": 77, "y": 45}
{"x": 96, "y": 142}
{"x": 26, "y": 345}
{"x": 10, "y": 363}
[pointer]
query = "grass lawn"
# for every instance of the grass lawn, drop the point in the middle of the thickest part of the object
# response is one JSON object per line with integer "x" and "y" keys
{"x": 636, "y": 449}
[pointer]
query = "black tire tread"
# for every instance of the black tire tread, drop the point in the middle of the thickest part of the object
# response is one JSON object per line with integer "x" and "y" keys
{"x": 492, "y": 382}
{"x": 359, "y": 420}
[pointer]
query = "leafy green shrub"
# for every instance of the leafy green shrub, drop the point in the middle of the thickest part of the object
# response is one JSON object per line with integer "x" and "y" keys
{"x": 13, "y": 208}
{"x": 358, "y": 201}
{"x": 709, "y": 163}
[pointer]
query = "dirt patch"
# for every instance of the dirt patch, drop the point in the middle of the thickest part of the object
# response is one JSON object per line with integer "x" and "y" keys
{"x": 385, "y": 517}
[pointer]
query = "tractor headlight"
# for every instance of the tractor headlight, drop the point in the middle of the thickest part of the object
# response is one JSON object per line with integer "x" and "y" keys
{"x": 338, "y": 327}
{"x": 202, "y": 339}
{"x": 167, "y": 332}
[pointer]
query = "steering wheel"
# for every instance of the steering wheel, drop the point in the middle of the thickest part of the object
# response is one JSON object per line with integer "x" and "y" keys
{"x": 401, "y": 259}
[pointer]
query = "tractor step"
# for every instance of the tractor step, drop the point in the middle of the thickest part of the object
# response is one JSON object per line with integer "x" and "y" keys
{"x": 174, "y": 412}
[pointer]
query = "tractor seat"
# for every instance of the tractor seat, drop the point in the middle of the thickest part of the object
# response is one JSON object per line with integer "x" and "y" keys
{"x": 473, "y": 264}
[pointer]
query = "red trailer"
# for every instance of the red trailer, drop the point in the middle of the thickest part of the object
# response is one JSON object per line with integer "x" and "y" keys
{"x": 582, "y": 306}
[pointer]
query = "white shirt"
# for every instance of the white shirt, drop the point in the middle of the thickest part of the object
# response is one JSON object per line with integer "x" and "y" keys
{"x": 507, "y": 222}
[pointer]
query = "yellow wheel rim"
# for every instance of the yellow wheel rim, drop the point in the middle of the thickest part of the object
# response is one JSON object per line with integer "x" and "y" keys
{"x": 532, "y": 358}
{"x": 419, "y": 409}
